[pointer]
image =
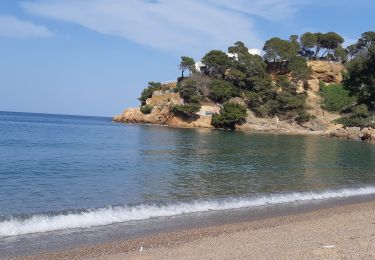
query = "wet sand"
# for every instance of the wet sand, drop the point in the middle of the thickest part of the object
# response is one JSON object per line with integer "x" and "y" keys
{"x": 343, "y": 232}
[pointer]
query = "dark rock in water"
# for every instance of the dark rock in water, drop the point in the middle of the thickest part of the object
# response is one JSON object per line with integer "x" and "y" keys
{"x": 356, "y": 133}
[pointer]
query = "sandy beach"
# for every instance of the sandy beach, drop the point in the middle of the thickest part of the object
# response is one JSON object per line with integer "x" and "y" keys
{"x": 344, "y": 232}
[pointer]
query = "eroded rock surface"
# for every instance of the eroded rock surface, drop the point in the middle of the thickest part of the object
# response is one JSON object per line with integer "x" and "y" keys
{"x": 328, "y": 72}
{"x": 356, "y": 133}
{"x": 161, "y": 101}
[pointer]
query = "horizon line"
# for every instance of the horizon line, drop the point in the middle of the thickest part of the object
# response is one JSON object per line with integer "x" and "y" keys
{"x": 52, "y": 114}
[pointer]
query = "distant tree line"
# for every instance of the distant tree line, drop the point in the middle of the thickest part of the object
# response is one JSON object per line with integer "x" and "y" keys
{"x": 360, "y": 81}
{"x": 239, "y": 74}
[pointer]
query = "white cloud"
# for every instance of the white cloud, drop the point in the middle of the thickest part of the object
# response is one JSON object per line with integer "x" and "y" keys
{"x": 183, "y": 26}
{"x": 272, "y": 10}
{"x": 11, "y": 26}
{"x": 170, "y": 25}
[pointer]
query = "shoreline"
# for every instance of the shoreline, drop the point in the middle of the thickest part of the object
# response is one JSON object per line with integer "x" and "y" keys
{"x": 343, "y": 135}
{"x": 354, "y": 223}
{"x": 255, "y": 131}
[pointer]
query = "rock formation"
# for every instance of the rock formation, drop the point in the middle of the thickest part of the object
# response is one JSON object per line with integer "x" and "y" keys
{"x": 328, "y": 72}
{"x": 161, "y": 101}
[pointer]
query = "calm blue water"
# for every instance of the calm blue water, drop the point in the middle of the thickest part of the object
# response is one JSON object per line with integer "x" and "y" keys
{"x": 61, "y": 172}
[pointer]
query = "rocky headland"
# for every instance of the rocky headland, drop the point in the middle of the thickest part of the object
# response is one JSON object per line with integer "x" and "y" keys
{"x": 321, "y": 124}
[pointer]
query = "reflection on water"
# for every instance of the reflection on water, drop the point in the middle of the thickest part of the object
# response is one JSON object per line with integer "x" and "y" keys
{"x": 54, "y": 163}
{"x": 195, "y": 163}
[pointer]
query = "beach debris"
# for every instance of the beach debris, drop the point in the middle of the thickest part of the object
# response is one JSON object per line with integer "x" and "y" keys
{"x": 329, "y": 246}
{"x": 141, "y": 250}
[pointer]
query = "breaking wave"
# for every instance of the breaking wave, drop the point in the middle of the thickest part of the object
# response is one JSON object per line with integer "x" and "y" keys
{"x": 109, "y": 215}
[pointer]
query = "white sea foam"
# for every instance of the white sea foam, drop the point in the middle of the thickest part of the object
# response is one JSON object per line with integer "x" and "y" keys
{"x": 110, "y": 215}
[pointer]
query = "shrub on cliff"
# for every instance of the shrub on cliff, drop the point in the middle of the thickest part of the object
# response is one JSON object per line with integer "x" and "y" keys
{"x": 147, "y": 92}
{"x": 360, "y": 111}
{"x": 335, "y": 97}
{"x": 230, "y": 115}
{"x": 189, "y": 91}
{"x": 299, "y": 70}
{"x": 278, "y": 100}
{"x": 221, "y": 90}
{"x": 303, "y": 117}
{"x": 268, "y": 108}
{"x": 360, "y": 79}
{"x": 356, "y": 121}
{"x": 146, "y": 109}
{"x": 185, "y": 110}
{"x": 360, "y": 117}
{"x": 291, "y": 105}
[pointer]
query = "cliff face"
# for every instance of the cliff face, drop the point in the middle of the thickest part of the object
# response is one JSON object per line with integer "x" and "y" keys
{"x": 162, "y": 116}
{"x": 162, "y": 100}
{"x": 158, "y": 115}
{"x": 328, "y": 72}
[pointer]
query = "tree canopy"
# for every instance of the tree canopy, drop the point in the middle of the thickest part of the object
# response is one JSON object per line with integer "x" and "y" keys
{"x": 277, "y": 50}
{"x": 216, "y": 62}
{"x": 238, "y": 48}
{"x": 271, "y": 85}
{"x": 186, "y": 110}
{"x": 299, "y": 70}
{"x": 221, "y": 90}
{"x": 189, "y": 91}
{"x": 230, "y": 115}
{"x": 362, "y": 45}
{"x": 147, "y": 92}
{"x": 360, "y": 77}
{"x": 318, "y": 44}
{"x": 186, "y": 63}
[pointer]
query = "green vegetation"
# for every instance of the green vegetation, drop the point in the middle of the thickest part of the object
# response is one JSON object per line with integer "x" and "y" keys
{"x": 360, "y": 76}
{"x": 362, "y": 45}
{"x": 146, "y": 109}
{"x": 245, "y": 76}
{"x": 360, "y": 81}
{"x": 360, "y": 117}
{"x": 279, "y": 99}
{"x": 356, "y": 122}
{"x": 221, "y": 90}
{"x": 217, "y": 62}
{"x": 299, "y": 71}
{"x": 189, "y": 90}
{"x": 336, "y": 98}
{"x": 147, "y": 92}
{"x": 275, "y": 84}
{"x": 303, "y": 117}
{"x": 187, "y": 63}
{"x": 278, "y": 50}
{"x": 326, "y": 45}
{"x": 230, "y": 115}
{"x": 186, "y": 110}
{"x": 313, "y": 46}
{"x": 360, "y": 111}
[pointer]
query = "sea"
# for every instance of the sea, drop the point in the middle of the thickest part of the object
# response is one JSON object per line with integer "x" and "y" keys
{"x": 77, "y": 180}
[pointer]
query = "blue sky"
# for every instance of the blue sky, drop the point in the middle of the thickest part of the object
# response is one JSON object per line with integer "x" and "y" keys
{"x": 93, "y": 57}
